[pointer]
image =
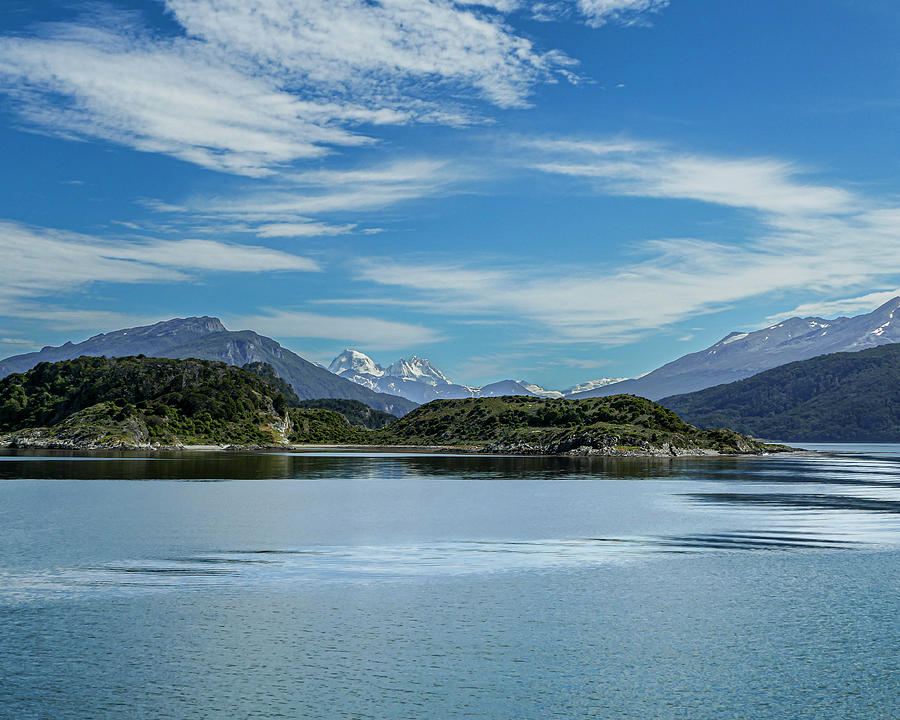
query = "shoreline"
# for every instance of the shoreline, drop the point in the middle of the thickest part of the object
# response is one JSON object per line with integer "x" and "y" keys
{"x": 474, "y": 450}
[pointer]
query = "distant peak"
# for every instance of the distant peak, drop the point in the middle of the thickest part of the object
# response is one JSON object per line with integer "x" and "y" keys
{"x": 355, "y": 362}
{"x": 417, "y": 368}
{"x": 593, "y": 384}
{"x": 211, "y": 323}
{"x": 891, "y": 304}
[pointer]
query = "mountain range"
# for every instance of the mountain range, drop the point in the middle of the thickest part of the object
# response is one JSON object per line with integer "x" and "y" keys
{"x": 841, "y": 397}
{"x": 206, "y": 338}
{"x": 737, "y": 356}
{"x": 418, "y": 380}
{"x": 743, "y": 354}
{"x": 403, "y": 384}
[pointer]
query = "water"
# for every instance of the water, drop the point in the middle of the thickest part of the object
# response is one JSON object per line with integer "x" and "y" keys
{"x": 389, "y": 586}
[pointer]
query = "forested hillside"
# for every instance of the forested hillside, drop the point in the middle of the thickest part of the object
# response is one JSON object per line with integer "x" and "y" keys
{"x": 844, "y": 397}
{"x": 610, "y": 425}
{"x": 140, "y": 401}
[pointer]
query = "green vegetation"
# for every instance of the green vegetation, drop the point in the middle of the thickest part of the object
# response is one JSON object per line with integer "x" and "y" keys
{"x": 139, "y": 401}
{"x": 618, "y": 424}
{"x": 310, "y": 425}
{"x": 358, "y": 413}
{"x": 308, "y": 380}
{"x": 267, "y": 373}
{"x": 844, "y": 397}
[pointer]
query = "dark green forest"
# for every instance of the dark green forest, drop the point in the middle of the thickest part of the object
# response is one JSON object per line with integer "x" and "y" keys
{"x": 356, "y": 412}
{"x": 844, "y": 397}
{"x": 616, "y": 423}
{"x": 140, "y": 400}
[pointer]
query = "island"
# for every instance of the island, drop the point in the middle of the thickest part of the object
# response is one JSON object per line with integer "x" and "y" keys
{"x": 143, "y": 403}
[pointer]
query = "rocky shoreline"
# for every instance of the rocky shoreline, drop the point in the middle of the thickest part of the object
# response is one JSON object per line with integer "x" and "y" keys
{"x": 30, "y": 440}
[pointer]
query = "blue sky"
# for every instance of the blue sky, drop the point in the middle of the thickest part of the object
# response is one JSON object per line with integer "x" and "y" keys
{"x": 554, "y": 191}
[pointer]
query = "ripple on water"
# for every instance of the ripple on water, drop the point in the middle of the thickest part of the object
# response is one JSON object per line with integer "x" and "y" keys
{"x": 264, "y": 566}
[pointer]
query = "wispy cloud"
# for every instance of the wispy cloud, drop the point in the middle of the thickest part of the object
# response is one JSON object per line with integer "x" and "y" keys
{"x": 16, "y": 341}
{"x": 292, "y": 205}
{"x": 166, "y": 97}
{"x": 630, "y": 12}
{"x": 597, "y": 13}
{"x": 250, "y": 87}
{"x": 807, "y": 236}
{"x": 582, "y": 363}
{"x": 369, "y": 332}
{"x": 68, "y": 319}
{"x": 50, "y": 261}
{"x": 302, "y": 229}
{"x": 842, "y": 306}
{"x": 377, "y": 50}
{"x": 623, "y": 167}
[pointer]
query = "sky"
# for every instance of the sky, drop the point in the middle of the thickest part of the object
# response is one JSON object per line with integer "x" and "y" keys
{"x": 552, "y": 190}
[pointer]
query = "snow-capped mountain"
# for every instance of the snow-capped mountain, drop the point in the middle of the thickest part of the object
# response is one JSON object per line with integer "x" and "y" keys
{"x": 593, "y": 385}
{"x": 538, "y": 390}
{"x": 357, "y": 362}
{"x": 208, "y": 339}
{"x": 415, "y": 379}
{"x": 418, "y": 380}
{"x": 417, "y": 368}
{"x": 742, "y": 354}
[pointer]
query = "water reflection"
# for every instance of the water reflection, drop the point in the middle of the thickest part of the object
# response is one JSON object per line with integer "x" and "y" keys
{"x": 409, "y": 587}
{"x": 420, "y": 515}
{"x": 212, "y": 466}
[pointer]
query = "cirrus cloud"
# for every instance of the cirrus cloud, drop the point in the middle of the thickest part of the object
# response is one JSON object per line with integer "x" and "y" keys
{"x": 806, "y": 236}
{"x": 48, "y": 261}
{"x": 250, "y": 86}
{"x": 371, "y": 332}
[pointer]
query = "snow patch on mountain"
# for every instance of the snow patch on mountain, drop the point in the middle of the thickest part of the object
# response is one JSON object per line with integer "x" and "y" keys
{"x": 419, "y": 380}
{"x": 539, "y": 391}
{"x": 740, "y": 355}
{"x": 593, "y": 385}
{"x": 417, "y": 368}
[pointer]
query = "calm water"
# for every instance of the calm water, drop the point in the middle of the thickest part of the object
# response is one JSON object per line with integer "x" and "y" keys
{"x": 385, "y": 586}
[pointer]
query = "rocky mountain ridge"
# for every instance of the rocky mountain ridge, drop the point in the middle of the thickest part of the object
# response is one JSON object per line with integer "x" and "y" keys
{"x": 207, "y": 338}
{"x": 417, "y": 379}
{"x": 741, "y": 355}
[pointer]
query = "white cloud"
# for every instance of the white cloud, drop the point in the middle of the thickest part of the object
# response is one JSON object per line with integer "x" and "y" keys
{"x": 302, "y": 229}
{"x": 211, "y": 255}
{"x": 252, "y": 86}
{"x": 370, "y": 332}
{"x": 629, "y": 12}
{"x": 815, "y": 238}
{"x": 624, "y": 167}
{"x": 843, "y": 306}
{"x": 287, "y": 204}
{"x": 47, "y": 261}
{"x": 597, "y": 13}
{"x": 582, "y": 363}
{"x": 163, "y": 98}
{"x": 56, "y": 317}
{"x": 376, "y": 50}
